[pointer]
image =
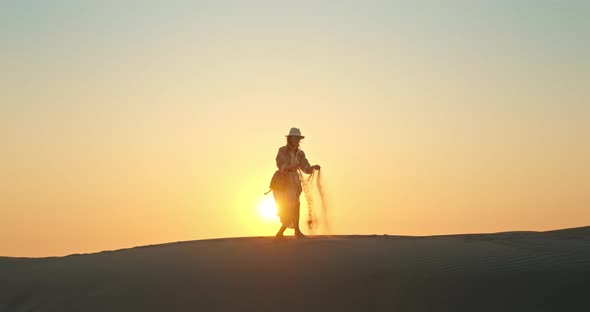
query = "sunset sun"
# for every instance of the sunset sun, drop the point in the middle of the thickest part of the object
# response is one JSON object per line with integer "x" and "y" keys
{"x": 267, "y": 208}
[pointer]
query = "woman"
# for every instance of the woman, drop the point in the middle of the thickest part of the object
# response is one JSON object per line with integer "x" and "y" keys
{"x": 290, "y": 159}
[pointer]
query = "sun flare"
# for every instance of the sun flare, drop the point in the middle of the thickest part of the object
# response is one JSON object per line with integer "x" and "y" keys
{"x": 267, "y": 208}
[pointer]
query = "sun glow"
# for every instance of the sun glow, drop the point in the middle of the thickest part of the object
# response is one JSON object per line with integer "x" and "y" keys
{"x": 267, "y": 208}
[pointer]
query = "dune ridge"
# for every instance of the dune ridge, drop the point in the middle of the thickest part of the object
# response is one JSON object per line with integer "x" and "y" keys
{"x": 509, "y": 271}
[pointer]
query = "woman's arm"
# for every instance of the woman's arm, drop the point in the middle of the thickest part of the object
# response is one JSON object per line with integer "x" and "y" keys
{"x": 304, "y": 163}
{"x": 282, "y": 160}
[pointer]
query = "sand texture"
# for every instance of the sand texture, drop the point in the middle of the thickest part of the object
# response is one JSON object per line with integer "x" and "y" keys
{"x": 514, "y": 271}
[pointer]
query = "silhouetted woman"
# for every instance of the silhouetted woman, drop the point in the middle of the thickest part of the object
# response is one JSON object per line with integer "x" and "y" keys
{"x": 290, "y": 159}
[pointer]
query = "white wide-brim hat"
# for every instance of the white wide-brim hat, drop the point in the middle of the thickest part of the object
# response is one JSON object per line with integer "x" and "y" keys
{"x": 295, "y": 132}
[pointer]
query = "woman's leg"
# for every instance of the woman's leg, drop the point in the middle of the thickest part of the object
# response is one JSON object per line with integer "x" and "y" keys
{"x": 281, "y": 231}
{"x": 281, "y": 204}
{"x": 298, "y": 232}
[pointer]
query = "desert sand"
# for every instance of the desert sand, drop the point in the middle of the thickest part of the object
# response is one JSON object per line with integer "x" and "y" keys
{"x": 513, "y": 271}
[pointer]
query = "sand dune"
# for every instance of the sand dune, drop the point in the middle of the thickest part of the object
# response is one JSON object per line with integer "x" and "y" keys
{"x": 514, "y": 271}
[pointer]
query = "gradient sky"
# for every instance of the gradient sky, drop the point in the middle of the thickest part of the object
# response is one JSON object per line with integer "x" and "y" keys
{"x": 128, "y": 123}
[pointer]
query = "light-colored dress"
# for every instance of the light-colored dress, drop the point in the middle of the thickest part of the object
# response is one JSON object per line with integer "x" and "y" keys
{"x": 287, "y": 199}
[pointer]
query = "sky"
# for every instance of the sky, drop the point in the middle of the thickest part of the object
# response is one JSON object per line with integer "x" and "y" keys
{"x": 126, "y": 123}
